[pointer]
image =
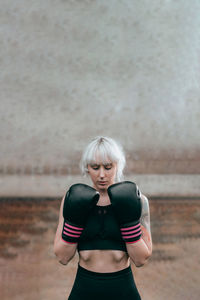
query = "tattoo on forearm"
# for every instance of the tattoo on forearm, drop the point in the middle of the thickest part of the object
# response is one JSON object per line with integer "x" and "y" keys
{"x": 145, "y": 216}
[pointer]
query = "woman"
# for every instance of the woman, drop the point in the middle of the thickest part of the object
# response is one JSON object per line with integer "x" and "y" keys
{"x": 108, "y": 224}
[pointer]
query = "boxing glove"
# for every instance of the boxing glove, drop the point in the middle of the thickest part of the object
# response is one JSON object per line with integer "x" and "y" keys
{"x": 79, "y": 201}
{"x": 125, "y": 198}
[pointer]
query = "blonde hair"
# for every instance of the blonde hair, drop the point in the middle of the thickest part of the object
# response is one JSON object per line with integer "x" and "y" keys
{"x": 107, "y": 149}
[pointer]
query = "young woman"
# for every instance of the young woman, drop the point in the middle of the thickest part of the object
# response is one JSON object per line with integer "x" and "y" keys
{"x": 108, "y": 223}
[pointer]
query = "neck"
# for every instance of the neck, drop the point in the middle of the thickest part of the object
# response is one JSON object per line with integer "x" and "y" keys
{"x": 104, "y": 199}
{"x": 103, "y": 192}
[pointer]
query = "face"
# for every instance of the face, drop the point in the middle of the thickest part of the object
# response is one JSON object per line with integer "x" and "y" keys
{"x": 102, "y": 175}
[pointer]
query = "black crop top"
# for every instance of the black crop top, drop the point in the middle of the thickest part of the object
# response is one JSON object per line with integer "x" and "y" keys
{"x": 101, "y": 231}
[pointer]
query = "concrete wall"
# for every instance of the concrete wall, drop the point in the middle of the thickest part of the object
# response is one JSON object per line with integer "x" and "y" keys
{"x": 71, "y": 70}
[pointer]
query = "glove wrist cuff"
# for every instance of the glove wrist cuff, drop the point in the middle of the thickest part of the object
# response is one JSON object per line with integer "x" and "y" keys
{"x": 71, "y": 233}
{"x": 131, "y": 232}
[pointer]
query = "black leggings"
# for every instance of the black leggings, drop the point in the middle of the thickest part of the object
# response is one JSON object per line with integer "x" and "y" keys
{"x": 90, "y": 285}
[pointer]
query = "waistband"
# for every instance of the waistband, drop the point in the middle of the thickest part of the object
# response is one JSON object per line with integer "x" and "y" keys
{"x": 83, "y": 271}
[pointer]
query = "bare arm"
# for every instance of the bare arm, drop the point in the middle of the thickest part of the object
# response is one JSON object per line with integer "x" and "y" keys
{"x": 145, "y": 223}
{"x": 63, "y": 250}
{"x": 140, "y": 251}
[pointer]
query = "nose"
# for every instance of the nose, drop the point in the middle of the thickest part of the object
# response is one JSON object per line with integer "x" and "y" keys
{"x": 101, "y": 172}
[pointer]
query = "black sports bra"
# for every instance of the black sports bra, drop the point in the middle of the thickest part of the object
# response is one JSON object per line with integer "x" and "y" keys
{"x": 102, "y": 231}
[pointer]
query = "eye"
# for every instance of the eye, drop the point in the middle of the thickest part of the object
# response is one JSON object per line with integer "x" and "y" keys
{"x": 108, "y": 167}
{"x": 95, "y": 167}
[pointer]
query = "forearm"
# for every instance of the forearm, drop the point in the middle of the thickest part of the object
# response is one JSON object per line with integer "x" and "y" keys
{"x": 63, "y": 250}
{"x": 146, "y": 237}
{"x": 75, "y": 207}
{"x": 145, "y": 223}
{"x": 138, "y": 252}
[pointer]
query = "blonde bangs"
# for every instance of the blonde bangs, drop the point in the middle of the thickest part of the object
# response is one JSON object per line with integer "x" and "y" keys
{"x": 103, "y": 150}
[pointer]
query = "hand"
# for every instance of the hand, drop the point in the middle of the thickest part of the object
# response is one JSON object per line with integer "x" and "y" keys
{"x": 126, "y": 201}
{"x": 79, "y": 201}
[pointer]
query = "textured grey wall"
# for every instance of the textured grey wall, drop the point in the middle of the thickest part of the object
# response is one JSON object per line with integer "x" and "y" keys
{"x": 71, "y": 70}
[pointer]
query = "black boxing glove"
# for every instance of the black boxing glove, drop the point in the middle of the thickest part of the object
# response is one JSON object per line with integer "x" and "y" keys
{"x": 125, "y": 198}
{"x": 79, "y": 201}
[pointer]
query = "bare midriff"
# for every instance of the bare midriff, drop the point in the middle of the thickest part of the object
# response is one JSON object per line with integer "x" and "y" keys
{"x": 103, "y": 261}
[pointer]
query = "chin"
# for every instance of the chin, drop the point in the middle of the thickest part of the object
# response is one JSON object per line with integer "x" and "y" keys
{"x": 103, "y": 187}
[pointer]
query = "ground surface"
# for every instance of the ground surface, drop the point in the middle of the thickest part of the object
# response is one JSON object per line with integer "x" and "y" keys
{"x": 29, "y": 269}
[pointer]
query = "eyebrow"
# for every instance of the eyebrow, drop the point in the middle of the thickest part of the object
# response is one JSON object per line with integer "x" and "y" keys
{"x": 107, "y": 164}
